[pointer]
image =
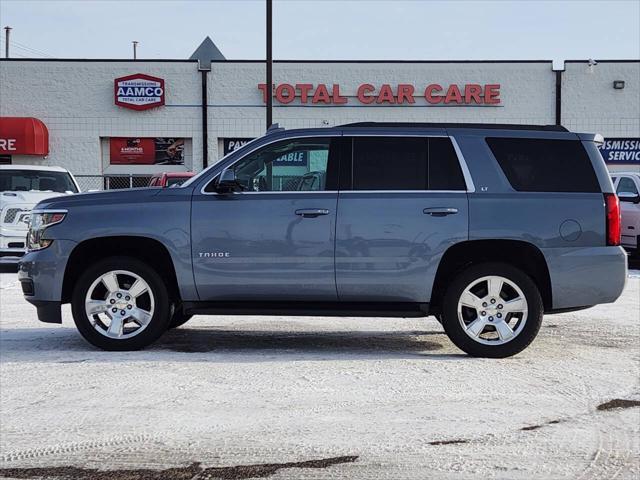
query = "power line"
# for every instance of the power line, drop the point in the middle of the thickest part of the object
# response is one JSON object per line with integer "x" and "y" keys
{"x": 26, "y": 49}
{"x": 35, "y": 50}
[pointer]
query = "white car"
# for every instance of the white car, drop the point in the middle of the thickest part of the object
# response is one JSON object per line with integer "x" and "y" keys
{"x": 627, "y": 185}
{"x": 21, "y": 188}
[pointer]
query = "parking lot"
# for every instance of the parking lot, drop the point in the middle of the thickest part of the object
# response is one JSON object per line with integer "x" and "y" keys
{"x": 294, "y": 397}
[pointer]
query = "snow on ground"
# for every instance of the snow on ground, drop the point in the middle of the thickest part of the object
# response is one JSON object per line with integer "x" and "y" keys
{"x": 395, "y": 393}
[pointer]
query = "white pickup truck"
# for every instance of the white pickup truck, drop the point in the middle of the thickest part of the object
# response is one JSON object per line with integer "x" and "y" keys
{"x": 21, "y": 188}
{"x": 627, "y": 185}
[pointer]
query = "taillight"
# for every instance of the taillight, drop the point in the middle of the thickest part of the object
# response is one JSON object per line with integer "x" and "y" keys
{"x": 613, "y": 219}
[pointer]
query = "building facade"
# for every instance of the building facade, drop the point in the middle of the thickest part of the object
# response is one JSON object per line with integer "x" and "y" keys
{"x": 116, "y": 117}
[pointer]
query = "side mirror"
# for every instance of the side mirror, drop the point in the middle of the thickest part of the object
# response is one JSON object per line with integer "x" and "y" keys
{"x": 629, "y": 197}
{"x": 228, "y": 182}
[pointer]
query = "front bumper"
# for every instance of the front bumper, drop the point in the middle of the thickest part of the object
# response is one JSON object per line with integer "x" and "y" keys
{"x": 41, "y": 274}
{"x": 12, "y": 246}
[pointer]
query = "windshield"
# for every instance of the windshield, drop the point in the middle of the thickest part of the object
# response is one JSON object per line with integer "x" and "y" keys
{"x": 206, "y": 170}
{"x": 36, "y": 180}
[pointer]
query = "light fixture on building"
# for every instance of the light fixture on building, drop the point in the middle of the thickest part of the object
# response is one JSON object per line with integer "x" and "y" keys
{"x": 618, "y": 84}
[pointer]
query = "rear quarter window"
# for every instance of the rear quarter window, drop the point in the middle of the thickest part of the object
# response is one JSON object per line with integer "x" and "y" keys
{"x": 543, "y": 165}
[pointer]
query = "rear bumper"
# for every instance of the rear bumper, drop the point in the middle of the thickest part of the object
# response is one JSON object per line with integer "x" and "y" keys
{"x": 631, "y": 242}
{"x": 586, "y": 276}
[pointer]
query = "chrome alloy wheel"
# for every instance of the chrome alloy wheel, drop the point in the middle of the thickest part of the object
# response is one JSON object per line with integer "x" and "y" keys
{"x": 119, "y": 304}
{"x": 492, "y": 310}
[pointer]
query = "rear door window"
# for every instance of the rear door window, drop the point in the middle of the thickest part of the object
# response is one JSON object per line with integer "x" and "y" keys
{"x": 444, "y": 167}
{"x": 544, "y": 165}
{"x": 405, "y": 163}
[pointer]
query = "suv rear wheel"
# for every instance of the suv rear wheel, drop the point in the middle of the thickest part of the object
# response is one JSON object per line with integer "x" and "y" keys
{"x": 492, "y": 310}
{"x": 120, "y": 303}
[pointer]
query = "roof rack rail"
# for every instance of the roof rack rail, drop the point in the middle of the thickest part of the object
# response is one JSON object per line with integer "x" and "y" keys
{"x": 492, "y": 126}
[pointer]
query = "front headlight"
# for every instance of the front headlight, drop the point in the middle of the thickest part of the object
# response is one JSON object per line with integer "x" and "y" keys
{"x": 40, "y": 220}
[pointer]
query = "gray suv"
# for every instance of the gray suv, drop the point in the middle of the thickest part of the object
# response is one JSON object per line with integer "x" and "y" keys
{"x": 485, "y": 227}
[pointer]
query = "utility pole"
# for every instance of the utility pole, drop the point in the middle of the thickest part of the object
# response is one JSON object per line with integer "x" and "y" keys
{"x": 135, "y": 49}
{"x": 7, "y": 32}
{"x": 269, "y": 64}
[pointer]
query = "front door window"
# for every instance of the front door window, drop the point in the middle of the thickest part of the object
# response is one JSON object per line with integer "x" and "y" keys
{"x": 293, "y": 165}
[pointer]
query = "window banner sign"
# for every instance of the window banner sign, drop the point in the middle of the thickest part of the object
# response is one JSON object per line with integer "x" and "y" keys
{"x": 232, "y": 144}
{"x": 621, "y": 151}
{"x": 292, "y": 159}
{"x": 146, "y": 151}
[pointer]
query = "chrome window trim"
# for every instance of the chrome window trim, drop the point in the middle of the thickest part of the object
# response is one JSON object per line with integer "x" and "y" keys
{"x": 468, "y": 180}
{"x": 401, "y": 191}
{"x": 278, "y": 191}
{"x": 470, "y": 187}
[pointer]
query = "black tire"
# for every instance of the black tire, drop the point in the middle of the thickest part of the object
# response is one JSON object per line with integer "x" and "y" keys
{"x": 156, "y": 326}
{"x": 178, "y": 318}
{"x": 462, "y": 340}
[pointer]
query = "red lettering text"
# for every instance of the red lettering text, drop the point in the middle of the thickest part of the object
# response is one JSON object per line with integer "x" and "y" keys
{"x": 472, "y": 91}
{"x": 430, "y": 97}
{"x": 362, "y": 93}
{"x": 386, "y": 95}
{"x": 304, "y": 89}
{"x": 405, "y": 91}
{"x": 290, "y": 93}
{"x": 321, "y": 95}
{"x": 453, "y": 95}
{"x": 335, "y": 94}
{"x": 492, "y": 93}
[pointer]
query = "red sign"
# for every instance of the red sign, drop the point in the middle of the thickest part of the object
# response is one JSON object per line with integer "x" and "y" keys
{"x": 146, "y": 151}
{"x": 23, "y": 136}
{"x": 132, "y": 151}
{"x": 139, "y": 91}
{"x": 403, "y": 93}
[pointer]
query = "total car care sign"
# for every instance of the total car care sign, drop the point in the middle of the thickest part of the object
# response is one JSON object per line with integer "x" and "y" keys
{"x": 139, "y": 91}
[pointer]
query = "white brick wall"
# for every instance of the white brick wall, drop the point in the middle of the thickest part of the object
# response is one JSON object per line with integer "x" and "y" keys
{"x": 75, "y": 100}
{"x": 591, "y": 104}
{"x": 527, "y": 94}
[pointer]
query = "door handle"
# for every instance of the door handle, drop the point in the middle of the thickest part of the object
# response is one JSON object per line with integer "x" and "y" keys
{"x": 312, "y": 212}
{"x": 440, "y": 211}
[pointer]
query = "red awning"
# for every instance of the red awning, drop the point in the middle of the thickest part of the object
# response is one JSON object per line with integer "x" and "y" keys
{"x": 23, "y": 136}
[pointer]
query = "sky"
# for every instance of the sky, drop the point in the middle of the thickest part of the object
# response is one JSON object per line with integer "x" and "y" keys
{"x": 306, "y": 29}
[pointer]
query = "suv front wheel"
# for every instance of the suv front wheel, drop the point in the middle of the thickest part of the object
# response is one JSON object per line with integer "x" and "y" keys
{"x": 492, "y": 310}
{"x": 120, "y": 303}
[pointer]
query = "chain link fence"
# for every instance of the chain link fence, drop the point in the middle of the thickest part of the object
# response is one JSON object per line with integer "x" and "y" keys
{"x": 111, "y": 182}
{"x": 116, "y": 182}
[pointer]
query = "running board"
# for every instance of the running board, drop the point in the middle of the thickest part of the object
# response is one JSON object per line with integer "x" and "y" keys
{"x": 314, "y": 309}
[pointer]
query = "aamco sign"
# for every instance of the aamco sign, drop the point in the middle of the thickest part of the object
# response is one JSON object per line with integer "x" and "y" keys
{"x": 139, "y": 91}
